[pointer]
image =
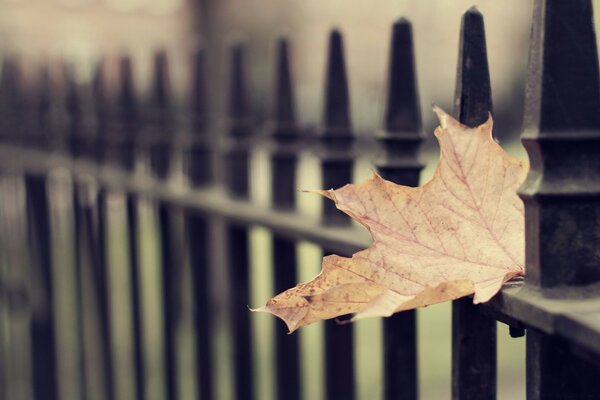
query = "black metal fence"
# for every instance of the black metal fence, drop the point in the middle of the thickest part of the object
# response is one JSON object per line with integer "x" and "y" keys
{"x": 111, "y": 144}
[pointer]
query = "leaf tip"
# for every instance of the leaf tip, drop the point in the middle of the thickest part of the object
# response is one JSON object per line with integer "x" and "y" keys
{"x": 441, "y": 114}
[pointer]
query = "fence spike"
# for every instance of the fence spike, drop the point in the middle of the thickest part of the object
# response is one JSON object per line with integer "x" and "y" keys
{"x": 284, "y": 132}
{"x": 11, "y": 99}
{"x": 473, "y": 334}
{"x": 336, "y": 170}
{"x": 161, "y": 97}
{"x": 127, "y": 103}
{"x": 563, "y": 88}
{"x": 284, "y": 97}
{"x": 72, "y": 94}
{"x": 43, "y": 121}
{"x": 401, "y": 137}
{"x": 561, "y": 134}
{"x": 400, "y": 141}
{"x": 238, "y": 107}
{"x": 98, "y": 94}
{"x": 123, "y": 136}
{"x": 197, "y": 155}
{"x": 283, "y": 194}
{"x": 473, "y": 94}
{"x": 337, "y": 101}
{"x": 403, "y": 113}
{"x": 561, "y": 192}
{"x": 237, "y": 159}
{"x": 198, "y": 101}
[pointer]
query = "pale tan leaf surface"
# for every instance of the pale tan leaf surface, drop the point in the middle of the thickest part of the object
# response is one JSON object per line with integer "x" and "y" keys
{"x": 461, "y": 233}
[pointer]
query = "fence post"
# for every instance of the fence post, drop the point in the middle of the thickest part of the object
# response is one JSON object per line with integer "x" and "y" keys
{"x": 12, "y": 101}
{"x": 198, "y": 162}
{"x": 41, "y": 123}
{"x": 42, "y": 325}
{"x": 562, "y": 191}
{"x": 238, "y": 184}
{"x": 74, "y": 112}
{"x": 336, "y": 171}
{"x": 123, "y": 136}
{"x": 161, "y": 134}
{"x": 199, "y": 238}
{"x": 473, "y": 334}
{"x": 100, "y": 113}
{"x": 400, "y": 141}
{"x": 285, "y": 136}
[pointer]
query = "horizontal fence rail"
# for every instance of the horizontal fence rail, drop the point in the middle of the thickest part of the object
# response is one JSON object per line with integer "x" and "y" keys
{"x": 123, "y": 223}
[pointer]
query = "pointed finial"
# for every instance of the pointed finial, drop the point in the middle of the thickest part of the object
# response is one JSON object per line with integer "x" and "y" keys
{"x": 11, "y": 99}
{"x": 43, "y": 91}
{"x": 128, "y": 112}
{"x": 337, "y": 103}
{"x": 10, "y": 78}
{"x": 198, "y": 101}
{"x": 98, "y": 92}
{"x": 43, "y": 120}
{"x": 73, "y": 99}
{"x": 161, "y": 93}
{"x": 403, "y": 113}
{"x": 284, "y": 114}
{"x": 473, "y": 94}
{"x": 563, "y": 89}
{"x": 561, "y": 135}
{"x": 237, "y": 85}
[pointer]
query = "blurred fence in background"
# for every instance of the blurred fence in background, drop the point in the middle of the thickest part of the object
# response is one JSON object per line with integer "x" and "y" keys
{"x": 128, "y": 259}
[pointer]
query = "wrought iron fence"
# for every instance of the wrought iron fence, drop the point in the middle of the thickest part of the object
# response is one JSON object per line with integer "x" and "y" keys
{"x": 113, "y": 144}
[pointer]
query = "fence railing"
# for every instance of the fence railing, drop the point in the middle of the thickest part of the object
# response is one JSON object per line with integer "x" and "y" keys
{"x": 106, "y": 145}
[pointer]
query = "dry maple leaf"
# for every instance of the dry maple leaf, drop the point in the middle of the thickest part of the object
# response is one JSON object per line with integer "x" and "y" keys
{"x": 460, "y": 233}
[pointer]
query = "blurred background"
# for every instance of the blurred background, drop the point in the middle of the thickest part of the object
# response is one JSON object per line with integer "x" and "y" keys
{"x": 80, "y": 34}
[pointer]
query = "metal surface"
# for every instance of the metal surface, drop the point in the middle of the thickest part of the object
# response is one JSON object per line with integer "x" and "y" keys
{"x": 116, "y": 145}
{"x": 197, "y": 150}
{"x": 336, "y": 171}
{"x": 159, "y": 141}
{"x": 473, "y": 333}
{"x": 198, "y": 230}
{"x": 237, "y": 182}
{"x": 283, "y": 193}
{"x": 160, "y": 127}
{"x": 42, "y": 324}
{"x": 135, "y": 293}
{"x": 93, "y": 237}
{"x": 400, "y": 141}
{"x": 562, "y": 206}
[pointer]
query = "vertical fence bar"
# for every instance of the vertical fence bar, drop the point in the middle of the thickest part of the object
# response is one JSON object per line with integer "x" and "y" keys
{"x": 285, "y": 136}
{"x": 92, "y": 239}
{"x": 199, "y": 172}
{"x": 238, "y": 184}
{"x": 128, "y": 125}
{"x": 401, "y": 140}
{"x": 43, "y": 327}
{"x": 100, "y": 113}
{"x": 79, "y": 293}
{"x": 12, "y": 101}
{"x": 336, "y": 170}
{"x": 473, "y": 334}
{"x": 160, "y": 154}
{"x": 41, "y": 123}
{"x": 561, "y": 193}
{"x": 42, "y": 324}
{"x": 89, "y": 210}
{"x": 73, "y": 107}
{"x": 198, "y": 162}
{"x": 161, "y": 117}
